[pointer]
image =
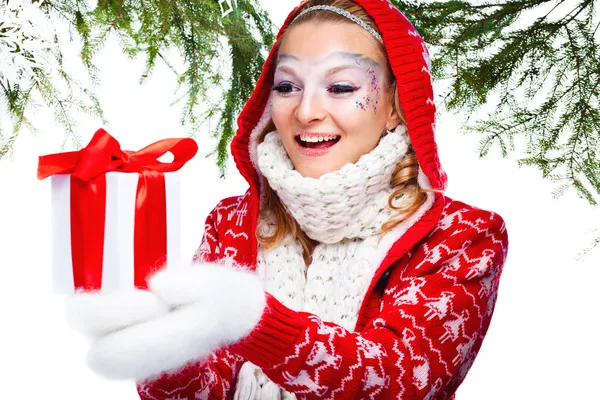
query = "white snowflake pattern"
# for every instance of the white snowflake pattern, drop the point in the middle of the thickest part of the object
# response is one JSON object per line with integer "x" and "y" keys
{"x": 426, "y": 56}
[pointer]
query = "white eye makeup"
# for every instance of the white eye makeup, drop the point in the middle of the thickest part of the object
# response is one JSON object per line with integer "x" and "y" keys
{"x": 339, "y": 75}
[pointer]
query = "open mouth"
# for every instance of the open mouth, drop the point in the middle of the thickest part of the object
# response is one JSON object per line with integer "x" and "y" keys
{"x": 318, "y": 144}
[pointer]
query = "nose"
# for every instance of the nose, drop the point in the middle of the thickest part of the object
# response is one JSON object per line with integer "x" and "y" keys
{"x": 310, "y": 108}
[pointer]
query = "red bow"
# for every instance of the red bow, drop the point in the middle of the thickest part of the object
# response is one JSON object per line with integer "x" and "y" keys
{"x": 88, "y": 201}
{"x": 103, "y": 154}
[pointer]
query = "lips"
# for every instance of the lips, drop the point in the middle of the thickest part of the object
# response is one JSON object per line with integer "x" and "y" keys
{"x": 316, "y": 139}
{"x": 312, "y": 133}
{"x": 317, "y": 144}
{"x": 319, "y": 148}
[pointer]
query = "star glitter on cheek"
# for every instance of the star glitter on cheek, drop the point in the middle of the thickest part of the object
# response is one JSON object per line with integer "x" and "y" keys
{"x": 364, "y": 105}
{"x": 375, "y": 88}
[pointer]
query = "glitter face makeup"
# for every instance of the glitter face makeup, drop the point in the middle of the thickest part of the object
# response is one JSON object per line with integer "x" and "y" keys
{"x": 374, "y": 90}
{"x": 327, "y": 96}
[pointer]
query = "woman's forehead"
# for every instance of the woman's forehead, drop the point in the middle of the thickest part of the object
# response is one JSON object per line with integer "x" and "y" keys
{"x": 332, "y": 59}
{"x": 317, "y": 43}
{"x": 334, "y": 56}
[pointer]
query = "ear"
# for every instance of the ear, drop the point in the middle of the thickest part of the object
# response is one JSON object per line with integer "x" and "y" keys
{"x": 392, "y": 122}
{"x": 394, "y": 119}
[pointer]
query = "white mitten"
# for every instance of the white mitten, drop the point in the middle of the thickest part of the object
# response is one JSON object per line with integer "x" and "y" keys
{"x": 208, "y": 306}
{"x": 95, "y": 314}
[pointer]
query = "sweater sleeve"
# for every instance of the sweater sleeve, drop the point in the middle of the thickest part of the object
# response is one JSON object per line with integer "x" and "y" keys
{"x": 204, "y": 380}
{"x": 434, "y": 313}
{"x": 214, "y": 377}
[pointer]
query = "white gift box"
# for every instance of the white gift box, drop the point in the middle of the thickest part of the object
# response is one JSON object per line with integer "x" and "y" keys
{"x": 118, "y": 249}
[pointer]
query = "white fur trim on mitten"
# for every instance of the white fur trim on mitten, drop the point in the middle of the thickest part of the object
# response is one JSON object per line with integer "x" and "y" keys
{"x": 212, "y": 306}
{"x": 196, "y": 282}
{"x": 96, "y": 314}
{"x": 234, "y": 296}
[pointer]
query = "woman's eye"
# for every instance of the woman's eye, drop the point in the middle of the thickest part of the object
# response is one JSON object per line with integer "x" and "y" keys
{"x": 284, "y": 88}
{"x": 337, "y": 89}
{"x": 287, "y": 88}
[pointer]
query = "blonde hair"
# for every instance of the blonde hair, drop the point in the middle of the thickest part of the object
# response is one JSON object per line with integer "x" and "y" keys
{"x": 404, "y": 178}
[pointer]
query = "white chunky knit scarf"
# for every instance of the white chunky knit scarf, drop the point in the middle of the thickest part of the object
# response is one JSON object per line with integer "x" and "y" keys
{"x": 344, "y": 211}
{"x": 333, "y": 207}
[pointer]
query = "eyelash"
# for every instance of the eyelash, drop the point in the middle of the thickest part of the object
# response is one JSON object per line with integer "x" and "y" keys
{"x": 333, "y": 88}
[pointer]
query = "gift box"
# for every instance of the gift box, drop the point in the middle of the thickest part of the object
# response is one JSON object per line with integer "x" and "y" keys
{"x": 115, "y": 213}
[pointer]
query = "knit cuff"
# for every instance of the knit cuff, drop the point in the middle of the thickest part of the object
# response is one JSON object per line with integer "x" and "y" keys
{"x": 276, "y": 332}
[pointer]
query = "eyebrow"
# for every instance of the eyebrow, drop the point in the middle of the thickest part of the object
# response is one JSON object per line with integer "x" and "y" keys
{"x": 329, "y": 72}
{"x": 344, "y": 54}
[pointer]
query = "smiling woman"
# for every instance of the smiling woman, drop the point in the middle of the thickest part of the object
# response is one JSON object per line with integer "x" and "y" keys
{"x": 321, "y": 91}
{"x": 343, "y": 272}
{"x": 332, "y": 102}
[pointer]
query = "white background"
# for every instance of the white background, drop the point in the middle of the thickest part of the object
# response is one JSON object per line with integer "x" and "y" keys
{"x": 543, "y": 339}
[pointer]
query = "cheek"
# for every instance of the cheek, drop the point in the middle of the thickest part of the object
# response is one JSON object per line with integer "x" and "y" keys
{"x": 370, "y": 100}
{"x": 282, "y": 114}
{"x": 281, "y": 111}
{"x": 354, "y": 113}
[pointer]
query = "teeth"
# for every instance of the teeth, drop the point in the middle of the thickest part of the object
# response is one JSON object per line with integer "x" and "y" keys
{"x": 314, "y": 139}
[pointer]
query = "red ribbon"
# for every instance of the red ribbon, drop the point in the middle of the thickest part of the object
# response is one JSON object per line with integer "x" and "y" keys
{"x": 88, "y": 201}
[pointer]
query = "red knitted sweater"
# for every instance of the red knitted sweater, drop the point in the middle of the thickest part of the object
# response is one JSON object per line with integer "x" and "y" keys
{"x": 428, "y": 306}
{"x": 418, "y": 332}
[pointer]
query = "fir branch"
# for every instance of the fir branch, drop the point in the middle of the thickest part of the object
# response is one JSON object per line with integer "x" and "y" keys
{"x": 152, "y": 27}
{"x": 546, "y": 75}
{"x": 483, "y": 51}
{"x": 33, "y": 69}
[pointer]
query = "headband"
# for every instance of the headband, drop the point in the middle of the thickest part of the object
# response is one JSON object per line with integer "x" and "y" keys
{"x": 345, "y": 14}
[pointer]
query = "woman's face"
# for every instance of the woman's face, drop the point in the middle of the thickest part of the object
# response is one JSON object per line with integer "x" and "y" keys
{"x": 330, "y": 83}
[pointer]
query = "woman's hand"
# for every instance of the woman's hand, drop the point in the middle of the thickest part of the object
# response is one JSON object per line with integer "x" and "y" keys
{"x": 186, "y": 314}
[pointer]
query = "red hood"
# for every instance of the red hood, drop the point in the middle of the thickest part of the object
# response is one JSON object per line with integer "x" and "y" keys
{"x": 409, "y": 59}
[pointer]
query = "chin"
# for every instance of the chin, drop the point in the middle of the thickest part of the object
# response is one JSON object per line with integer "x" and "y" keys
{"x": 311, "y": 174}
{"x": 315, "y": 173}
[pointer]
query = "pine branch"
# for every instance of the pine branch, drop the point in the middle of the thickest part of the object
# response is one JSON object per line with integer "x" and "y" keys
{"x": 546, "y": 75}
{"x": 484, "y": 49}
{"x": 33, "y": 68}
{"x": 153, "y": 27}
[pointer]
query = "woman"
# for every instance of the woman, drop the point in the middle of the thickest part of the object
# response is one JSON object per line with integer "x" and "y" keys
{"x": 343, "y": 272}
